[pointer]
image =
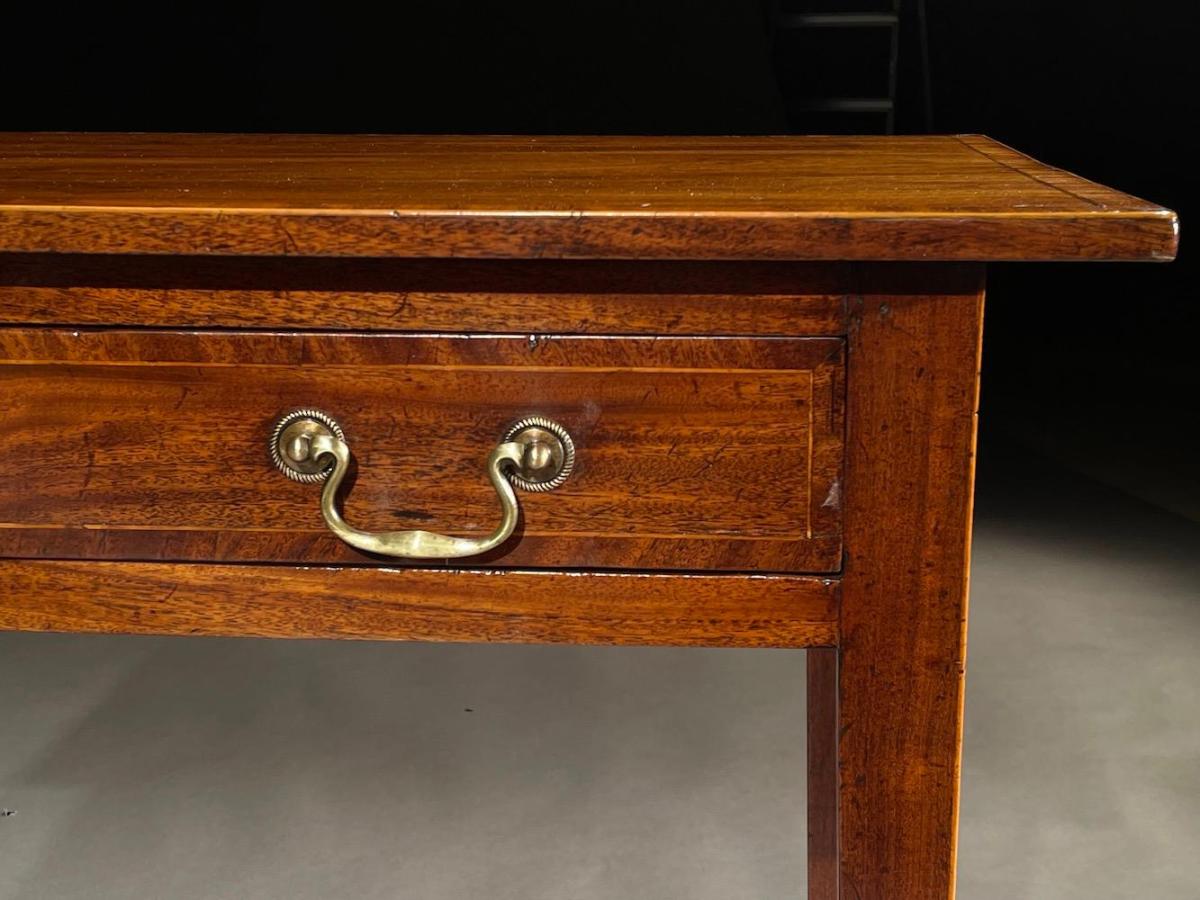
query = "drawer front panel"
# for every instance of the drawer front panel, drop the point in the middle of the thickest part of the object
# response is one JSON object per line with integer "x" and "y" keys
{"x": 691, "y": 453}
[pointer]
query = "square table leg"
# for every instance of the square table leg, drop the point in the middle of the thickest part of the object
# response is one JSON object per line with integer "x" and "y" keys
{"x": 822, "y": 773}
{"x": 912, "y": 396}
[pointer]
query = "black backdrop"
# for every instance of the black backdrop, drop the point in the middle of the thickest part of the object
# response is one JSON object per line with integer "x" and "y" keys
{"x": 1094, "y": 364}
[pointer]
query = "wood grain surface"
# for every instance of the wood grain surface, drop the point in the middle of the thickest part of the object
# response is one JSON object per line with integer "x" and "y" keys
{"x": 649, "y": 293}
{"x": 912, "y": 396}
{"x": 692, "y": 453}
{"x": 419, "y": 605}
{"x": 523, "y": 296}
{"x": 823, "y": 788}
{"x": 894, "y": 198}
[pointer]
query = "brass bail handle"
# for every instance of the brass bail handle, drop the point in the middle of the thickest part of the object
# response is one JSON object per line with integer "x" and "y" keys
{"x": 535, "y": 454}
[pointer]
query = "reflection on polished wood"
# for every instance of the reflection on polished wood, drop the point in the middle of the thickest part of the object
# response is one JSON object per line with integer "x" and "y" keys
{"x": 691, "y": 454}
{"x": 766, "y": 351}
{"x": 419, "y": 604}
{"x": 928, "y": 198}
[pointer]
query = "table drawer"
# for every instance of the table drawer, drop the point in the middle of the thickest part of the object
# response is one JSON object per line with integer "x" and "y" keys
{"x": 691, "y": 453}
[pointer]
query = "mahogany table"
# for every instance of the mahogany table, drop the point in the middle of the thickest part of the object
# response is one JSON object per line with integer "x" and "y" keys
{"x": 701, "y": 391}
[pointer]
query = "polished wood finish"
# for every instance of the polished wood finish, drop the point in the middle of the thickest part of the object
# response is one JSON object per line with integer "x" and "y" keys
{"x": 419, "y": 605}
{"x": 523, "y": 296}
{"x": 909, "y": 198}
{"x": 692, "y": 453}
{"x": 652, "y": 294}
{"x": 822, "y": 696}
{"x": 912, "y": 395}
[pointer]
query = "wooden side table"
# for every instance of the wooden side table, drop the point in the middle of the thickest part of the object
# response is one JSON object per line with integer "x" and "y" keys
{"x": 702, "y": 391}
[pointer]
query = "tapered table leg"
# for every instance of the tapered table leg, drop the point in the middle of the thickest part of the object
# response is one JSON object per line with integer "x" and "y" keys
{"x": 822, "y": 774}
{"x": 912, "y": 397}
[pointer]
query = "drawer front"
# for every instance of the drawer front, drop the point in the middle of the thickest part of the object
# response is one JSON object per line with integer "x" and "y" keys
{"x": 691, "y": 453}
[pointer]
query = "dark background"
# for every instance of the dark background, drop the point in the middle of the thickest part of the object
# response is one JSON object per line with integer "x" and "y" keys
{"x": 1093, "y": 365}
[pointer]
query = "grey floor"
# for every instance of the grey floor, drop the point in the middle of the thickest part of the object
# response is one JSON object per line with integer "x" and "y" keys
{"x": 200, "y": 768}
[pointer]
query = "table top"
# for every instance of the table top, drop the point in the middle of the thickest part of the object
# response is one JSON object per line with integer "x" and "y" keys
{"x": 887, "y": 198}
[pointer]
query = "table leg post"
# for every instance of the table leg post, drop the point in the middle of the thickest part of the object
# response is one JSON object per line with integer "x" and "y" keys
{"x": 822, "y": 774}
{"x": 912, "y": 397}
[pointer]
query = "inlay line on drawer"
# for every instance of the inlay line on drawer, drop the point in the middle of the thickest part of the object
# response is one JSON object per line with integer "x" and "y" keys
{"x": 693, "y": 453}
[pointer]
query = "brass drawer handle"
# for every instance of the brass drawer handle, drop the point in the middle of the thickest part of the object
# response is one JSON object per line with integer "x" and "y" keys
{"x": 536, "y": 454}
